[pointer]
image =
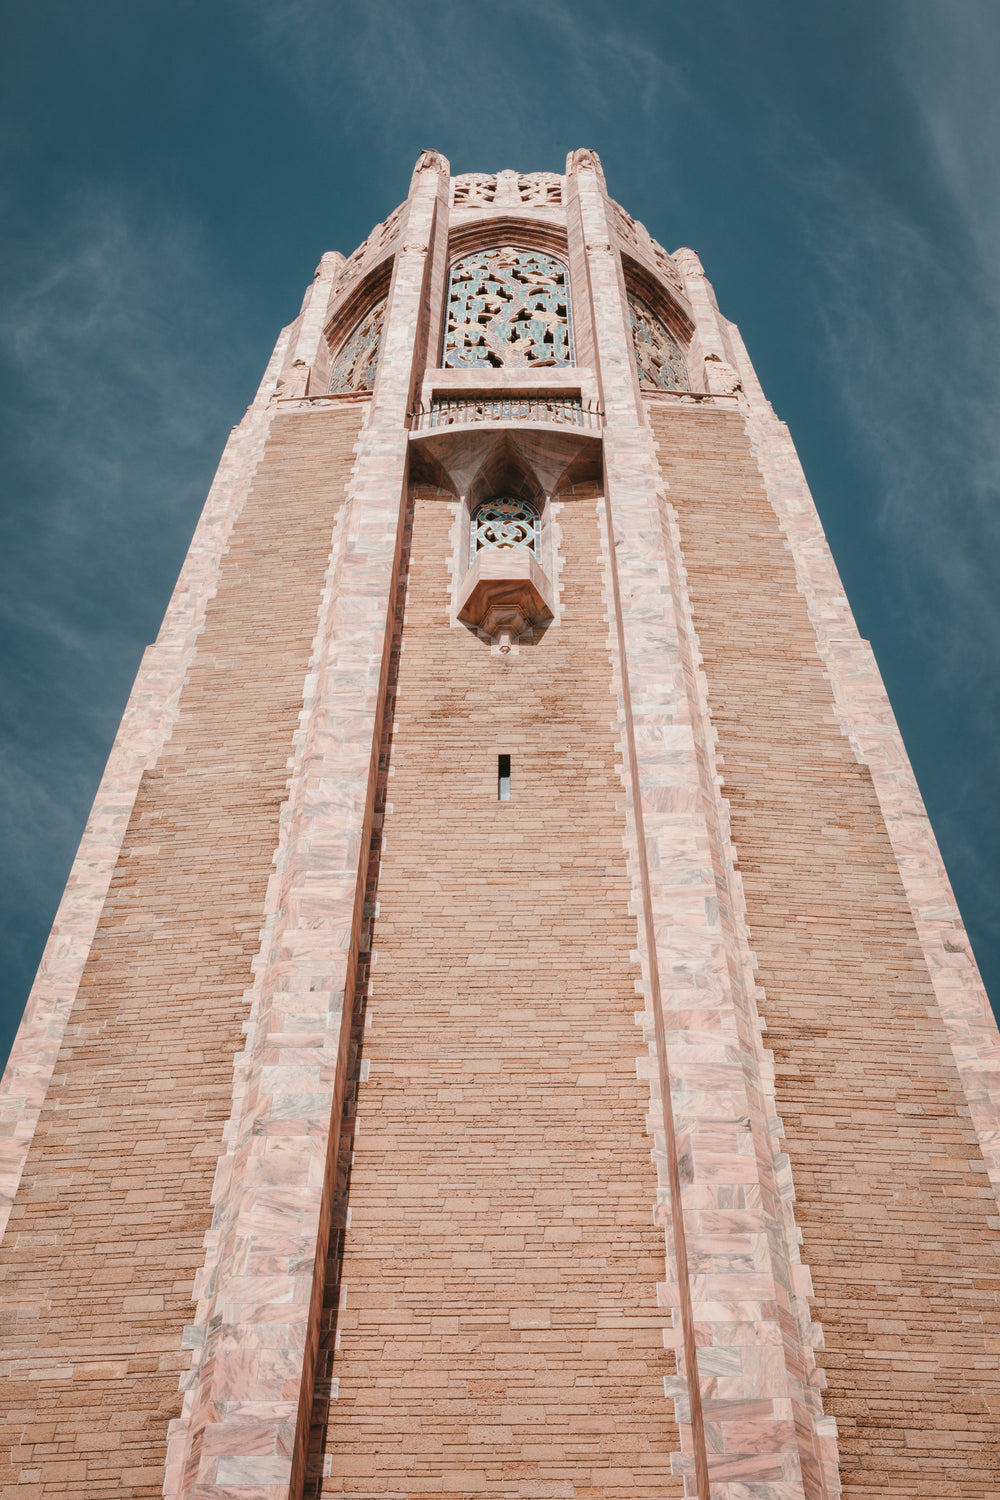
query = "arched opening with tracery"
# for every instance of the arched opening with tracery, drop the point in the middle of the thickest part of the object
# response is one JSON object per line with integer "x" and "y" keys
{"x": 356, "y": 362}
{"x": 508, "y": 307}
{"x": 659, "y": 359}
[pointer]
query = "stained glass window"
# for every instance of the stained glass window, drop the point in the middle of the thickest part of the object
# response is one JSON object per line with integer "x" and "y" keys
{"x": 508, "y": 307}
{"x": 355, "y": 365}
{"x": 505, "y": 523}
{"x": 657, "y": 355}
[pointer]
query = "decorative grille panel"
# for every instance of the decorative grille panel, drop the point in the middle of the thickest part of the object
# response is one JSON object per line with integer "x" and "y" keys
{"x": 508, "y": 307}
{"x": 505, "y": 523}
{"x": 657, "y": 355}
{"x": 354, "y": 367}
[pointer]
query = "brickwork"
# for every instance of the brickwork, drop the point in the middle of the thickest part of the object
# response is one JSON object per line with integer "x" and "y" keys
{"x": 745, "y": 1393}
{"x": 502, "y": 1205}
{"x": 892, "y": 1194}
{"x": 146, "y": 724}
{"x": 244, "y": 1426}
{"x": 106, "y": 1231}
{"x": 498, "y": 1326}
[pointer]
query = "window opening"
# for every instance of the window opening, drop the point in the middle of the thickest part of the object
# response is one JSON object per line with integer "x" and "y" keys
{"x": 508, "y": 307}
{"x": 503, "y": 778}
{"x": 355, "y": 365}
{"x": 505, "y": 523}
{"x": 658, "y": 356}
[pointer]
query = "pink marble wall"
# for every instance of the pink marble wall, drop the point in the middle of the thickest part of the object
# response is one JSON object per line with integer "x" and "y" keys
{"x": 244, "y": 1423}
{"x": 746, "y": 1393}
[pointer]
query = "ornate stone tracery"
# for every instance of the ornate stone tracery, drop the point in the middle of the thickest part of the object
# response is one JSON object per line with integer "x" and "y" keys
{"x": 474, "y": 190}
{"x": 531, "y": 189}
{"x": 355, "y": 365}
{"x": 505, "y": 523}
{"x": 508, "y": 307}
{"x": 658, "y": 356}
{"x": 540, "y": 188}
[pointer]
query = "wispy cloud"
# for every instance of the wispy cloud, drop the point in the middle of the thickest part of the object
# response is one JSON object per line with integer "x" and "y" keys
{"x": 910, "y": 339}
{"x": 495, "y": 80}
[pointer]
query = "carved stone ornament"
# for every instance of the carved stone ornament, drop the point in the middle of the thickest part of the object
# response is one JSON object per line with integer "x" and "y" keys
{"x": 388, "y": 230}
{"x": 666, "y": 267}
{"x": 508, "y": 307}
{"x": 585, "y": 160}
{"x": 529, "y": 190}
{"x": 688, "y": 263}
{"x": 540, "y": 188}
{"x": 293, "y": 380}
{"x": 508, "y": 193}
{"x": 720, "y": 378}
{"x": 430, "y": 161}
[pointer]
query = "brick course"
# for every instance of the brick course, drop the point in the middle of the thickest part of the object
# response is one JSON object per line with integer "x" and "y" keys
{"x": 499, "y": 1331}
{"x": 106, "y": 1231}
{"x": 891, "y": 1189}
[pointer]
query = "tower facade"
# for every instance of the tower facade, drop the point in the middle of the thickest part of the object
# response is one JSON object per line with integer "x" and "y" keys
{"x": 508, "y": 1030}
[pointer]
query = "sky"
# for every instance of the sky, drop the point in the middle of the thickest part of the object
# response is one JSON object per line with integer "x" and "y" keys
{"x": 171, "y": 173}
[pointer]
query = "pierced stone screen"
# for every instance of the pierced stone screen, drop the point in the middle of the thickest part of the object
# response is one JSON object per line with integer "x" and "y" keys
{"x": 508, "y": 307}
{"x": 505, "y": 523}
{"x": 354, "y": 367}
{"x": 657, "y": 355}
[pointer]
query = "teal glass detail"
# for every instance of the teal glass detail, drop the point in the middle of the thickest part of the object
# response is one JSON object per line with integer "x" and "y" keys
{"x": 658, "y": 356}
{"x": 505, "y": 523}
{"x": 508, "y": 307}
{"x": 355, "y": 365}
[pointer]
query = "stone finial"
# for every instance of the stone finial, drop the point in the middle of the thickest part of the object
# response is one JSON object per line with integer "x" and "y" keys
{"x": 585, "y": 160}
{"x": 330, "y": 264}
{"x": 432, "y": 161}
{"x": 687, "y": 262}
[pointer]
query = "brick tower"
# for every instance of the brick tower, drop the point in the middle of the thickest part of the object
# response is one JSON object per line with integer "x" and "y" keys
{"x": 508, "y": 1031}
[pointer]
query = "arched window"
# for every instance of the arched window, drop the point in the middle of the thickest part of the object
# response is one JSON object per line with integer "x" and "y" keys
{"x": 355, "y": 365}
{"x": 508, "y": 307}
{"x": 657, "y": 354}
{"x": 505, "y": 523}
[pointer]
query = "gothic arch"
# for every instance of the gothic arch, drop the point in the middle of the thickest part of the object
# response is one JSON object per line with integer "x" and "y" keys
{"x": 661, "y": 331}
{"x": 354, "y": 334}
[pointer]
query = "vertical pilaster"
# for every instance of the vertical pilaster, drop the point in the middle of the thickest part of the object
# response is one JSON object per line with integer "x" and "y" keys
{"x": 244, "y": 1425}
{"x": 307, "y": 372}
{"x": 743, "y": 1399}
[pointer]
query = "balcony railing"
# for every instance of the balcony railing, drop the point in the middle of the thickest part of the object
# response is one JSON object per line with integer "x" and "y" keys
{"x": 447, "y": 411}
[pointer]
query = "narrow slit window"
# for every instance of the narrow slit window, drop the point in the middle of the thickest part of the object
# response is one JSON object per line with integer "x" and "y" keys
{"x": 503, "y": 778}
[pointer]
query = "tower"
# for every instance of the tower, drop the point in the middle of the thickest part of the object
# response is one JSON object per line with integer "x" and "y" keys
{"x": 508, "y": 1031}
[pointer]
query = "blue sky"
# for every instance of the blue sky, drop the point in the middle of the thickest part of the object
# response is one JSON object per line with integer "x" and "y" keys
{"x": 172, "y": 172}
